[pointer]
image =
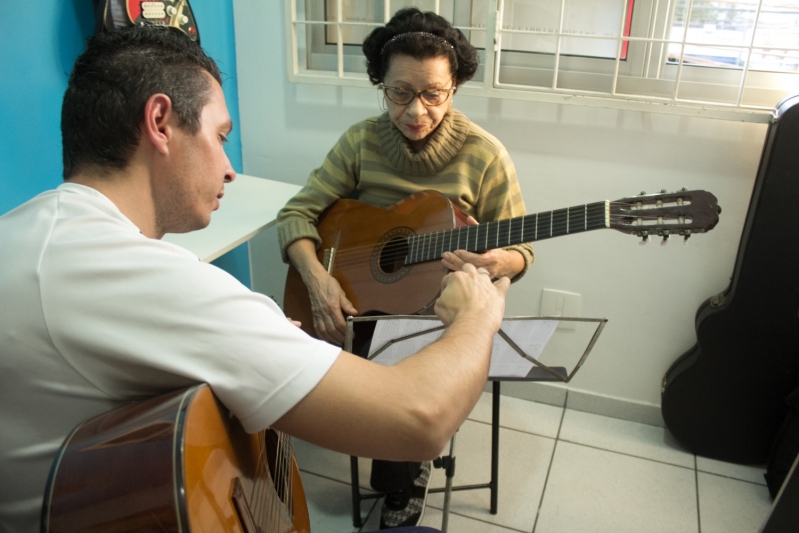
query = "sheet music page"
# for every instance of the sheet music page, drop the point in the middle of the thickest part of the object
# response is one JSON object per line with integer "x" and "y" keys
{"x": 530, "y": 335}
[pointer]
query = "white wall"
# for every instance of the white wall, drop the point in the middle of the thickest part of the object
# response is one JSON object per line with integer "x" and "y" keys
{"x": 564, "y": 155}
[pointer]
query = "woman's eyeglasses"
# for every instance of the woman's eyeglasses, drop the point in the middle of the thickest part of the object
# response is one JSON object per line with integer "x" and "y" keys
{"x": 429, "y": 97}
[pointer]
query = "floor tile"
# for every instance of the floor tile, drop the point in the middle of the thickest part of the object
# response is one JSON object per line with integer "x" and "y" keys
{"x": 623, "y": 436}
{"x": 372, "y": 521}
{"x": 731, "y": 506}
{"x": 753, "y": 473}
{"x": 597, "y": 491}
{"x": 460, "y": 524}
{"x": 524, "y": 460}
{"x": 531, "y": 417}
{"x": 330, "y": 504}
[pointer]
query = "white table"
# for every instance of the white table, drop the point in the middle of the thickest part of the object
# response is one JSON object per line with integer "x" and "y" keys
{"x": 250, "y": 206}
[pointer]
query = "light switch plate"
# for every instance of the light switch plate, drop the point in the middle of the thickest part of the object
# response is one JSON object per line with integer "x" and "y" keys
{"x": 561, "y": 303}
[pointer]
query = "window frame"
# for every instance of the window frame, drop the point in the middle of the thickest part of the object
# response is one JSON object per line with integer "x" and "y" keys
{"x": 645, "y": 68}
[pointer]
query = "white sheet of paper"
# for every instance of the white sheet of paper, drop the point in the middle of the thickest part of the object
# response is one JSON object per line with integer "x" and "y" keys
{"x": 530, "y": 335}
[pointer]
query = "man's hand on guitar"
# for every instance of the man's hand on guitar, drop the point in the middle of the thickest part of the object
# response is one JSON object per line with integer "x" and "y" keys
{"x": 470, "y": 292}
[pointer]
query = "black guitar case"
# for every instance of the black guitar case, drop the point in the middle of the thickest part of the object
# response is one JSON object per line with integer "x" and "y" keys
{"x": 725, "y": 397}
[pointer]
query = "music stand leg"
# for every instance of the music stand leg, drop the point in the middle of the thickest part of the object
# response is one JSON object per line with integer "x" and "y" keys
{"x": 449, "y": 469}
{"x": 494, "y": 447}
{"x": 356, "y": 493}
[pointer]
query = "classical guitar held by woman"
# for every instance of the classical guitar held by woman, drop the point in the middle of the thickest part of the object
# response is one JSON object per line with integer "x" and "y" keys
{"x": 388, "y": 261}
{"x": 177, "y": 462}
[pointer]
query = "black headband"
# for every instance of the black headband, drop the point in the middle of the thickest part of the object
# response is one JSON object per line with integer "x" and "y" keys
{"x": 410, "y": 34}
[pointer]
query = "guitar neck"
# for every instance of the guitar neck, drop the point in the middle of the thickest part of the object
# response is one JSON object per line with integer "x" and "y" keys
{"x": 502, "y": 233}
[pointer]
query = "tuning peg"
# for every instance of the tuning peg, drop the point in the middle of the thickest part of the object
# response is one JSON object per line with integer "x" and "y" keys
{"x": 685, "y": 235}
{"x": 644, "y": 237}
{"x": 663, "y": 191}
{"x": 684, "y": 189}
{"x": 665, "y": 240}
{"x": 643, "y": 193}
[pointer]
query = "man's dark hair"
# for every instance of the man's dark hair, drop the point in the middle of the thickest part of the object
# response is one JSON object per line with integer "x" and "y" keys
{"x": 418, "y": 28}
{"x": 111, "y": 82}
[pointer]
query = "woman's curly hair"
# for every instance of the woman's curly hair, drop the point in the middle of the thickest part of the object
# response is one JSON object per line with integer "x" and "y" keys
{"x": 419, "y": 44}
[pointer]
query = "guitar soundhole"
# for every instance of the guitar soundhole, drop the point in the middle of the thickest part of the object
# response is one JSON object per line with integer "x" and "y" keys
{"x": 389, "y": 254}
{"x": 393, "y": 257}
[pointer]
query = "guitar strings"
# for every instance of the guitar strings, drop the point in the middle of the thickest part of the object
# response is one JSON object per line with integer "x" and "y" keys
{"x": 357, "y": 254}
{"x": 257, "y": 490}
{"x": 558, "y": 227}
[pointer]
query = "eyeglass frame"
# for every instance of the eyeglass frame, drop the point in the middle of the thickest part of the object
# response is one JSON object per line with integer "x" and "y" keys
{"x": 417, "y": 94}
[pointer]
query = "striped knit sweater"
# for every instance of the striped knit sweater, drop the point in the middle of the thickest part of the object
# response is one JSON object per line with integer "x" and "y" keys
{"x": 373, "y": 162}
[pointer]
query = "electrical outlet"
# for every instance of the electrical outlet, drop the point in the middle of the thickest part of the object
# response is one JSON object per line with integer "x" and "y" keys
{"x": 561, "y": 303}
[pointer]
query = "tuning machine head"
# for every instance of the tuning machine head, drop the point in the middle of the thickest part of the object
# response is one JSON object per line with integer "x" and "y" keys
{"x": 644, "y": 237}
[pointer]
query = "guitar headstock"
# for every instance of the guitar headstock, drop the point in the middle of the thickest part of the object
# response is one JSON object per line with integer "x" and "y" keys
{"x": 677, "y": 213}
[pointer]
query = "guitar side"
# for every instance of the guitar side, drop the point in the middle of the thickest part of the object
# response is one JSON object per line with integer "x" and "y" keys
{"x": 169, "y": 463}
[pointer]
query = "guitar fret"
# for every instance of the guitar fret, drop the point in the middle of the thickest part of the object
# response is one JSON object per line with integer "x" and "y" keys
{"x": 541, "y": 225}
{"x": 427, "y": 254}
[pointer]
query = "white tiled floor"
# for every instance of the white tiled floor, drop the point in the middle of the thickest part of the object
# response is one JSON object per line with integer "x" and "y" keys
{"x": 561, "y": 471}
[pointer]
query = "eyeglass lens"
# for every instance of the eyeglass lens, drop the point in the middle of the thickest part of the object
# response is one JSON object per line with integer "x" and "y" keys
{"x": 405, "y": 96}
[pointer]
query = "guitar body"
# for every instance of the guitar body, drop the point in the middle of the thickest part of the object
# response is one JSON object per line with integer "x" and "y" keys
{"x": 725, "y": 397}
{"x": 366, "y": 241}
{"x": 175, "y": 463}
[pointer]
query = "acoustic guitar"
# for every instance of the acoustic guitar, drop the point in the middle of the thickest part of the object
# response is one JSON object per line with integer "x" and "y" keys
{"x": 387, "y": 260}
{"x": 177, "y": 462}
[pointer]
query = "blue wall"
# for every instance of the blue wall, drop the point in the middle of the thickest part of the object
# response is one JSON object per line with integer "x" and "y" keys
{"x": 40, "y": 42}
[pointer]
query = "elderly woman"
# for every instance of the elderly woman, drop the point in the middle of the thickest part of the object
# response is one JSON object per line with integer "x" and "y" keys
{"x": 417, "y": 60}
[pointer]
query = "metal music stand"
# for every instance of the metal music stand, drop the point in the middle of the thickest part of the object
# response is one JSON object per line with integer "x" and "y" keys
{"x": 539, "y": 372}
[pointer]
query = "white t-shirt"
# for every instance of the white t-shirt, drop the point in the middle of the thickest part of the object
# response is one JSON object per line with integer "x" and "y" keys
{"x": 93, "y": 314}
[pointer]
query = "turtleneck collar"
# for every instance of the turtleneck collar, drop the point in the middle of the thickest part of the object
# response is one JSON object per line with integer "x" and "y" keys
{"x": 442, "y": 145}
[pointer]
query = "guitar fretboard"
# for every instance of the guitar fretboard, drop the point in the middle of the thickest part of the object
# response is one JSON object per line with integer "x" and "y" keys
{"x": 502, "y": 233}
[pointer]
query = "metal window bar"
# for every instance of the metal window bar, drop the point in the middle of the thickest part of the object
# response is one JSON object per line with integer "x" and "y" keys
{"x": 492, "y": 86}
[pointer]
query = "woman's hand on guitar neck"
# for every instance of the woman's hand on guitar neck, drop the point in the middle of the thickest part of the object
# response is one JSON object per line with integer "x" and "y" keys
{"x": 498, "y": 262}
{"x": 328, "y": 301}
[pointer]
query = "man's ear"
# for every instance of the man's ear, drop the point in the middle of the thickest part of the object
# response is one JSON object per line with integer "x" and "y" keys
{"x": 157, "y": 124}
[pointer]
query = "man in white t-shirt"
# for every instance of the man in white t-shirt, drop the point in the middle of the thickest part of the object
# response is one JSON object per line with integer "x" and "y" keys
{"x": 97, "y": 310}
